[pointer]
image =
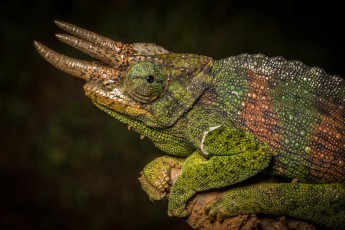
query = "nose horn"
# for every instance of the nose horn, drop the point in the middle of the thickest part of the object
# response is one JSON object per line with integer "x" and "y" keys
{"x": 78, "y": 68}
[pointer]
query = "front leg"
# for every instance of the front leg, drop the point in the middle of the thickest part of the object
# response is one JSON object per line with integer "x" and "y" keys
{"x": 200, "y": 174}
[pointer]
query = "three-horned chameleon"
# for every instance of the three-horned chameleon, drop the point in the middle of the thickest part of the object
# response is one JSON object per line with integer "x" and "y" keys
{"x": 231, "y": 119}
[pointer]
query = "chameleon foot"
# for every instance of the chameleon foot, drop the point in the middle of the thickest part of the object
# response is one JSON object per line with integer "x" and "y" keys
{"x": 223, "y": 207}
{"x": 156, "y": 177}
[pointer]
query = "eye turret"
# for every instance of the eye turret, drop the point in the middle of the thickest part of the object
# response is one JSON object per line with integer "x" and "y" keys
{"x": 145, "y": 81}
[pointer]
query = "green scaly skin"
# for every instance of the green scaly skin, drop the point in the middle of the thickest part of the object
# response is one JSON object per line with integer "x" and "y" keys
{"x": 316, "y": 202}
{"x": 230, "y": 119}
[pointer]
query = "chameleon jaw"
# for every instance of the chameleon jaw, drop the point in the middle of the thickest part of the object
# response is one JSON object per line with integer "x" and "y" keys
{"x": 114, "y": 100}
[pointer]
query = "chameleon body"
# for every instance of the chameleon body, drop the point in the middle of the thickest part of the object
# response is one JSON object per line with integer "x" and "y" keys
{"x": 231, "y": 119}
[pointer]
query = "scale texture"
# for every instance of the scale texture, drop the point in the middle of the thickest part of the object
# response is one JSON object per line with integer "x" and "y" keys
{"x": 224, "y": 123}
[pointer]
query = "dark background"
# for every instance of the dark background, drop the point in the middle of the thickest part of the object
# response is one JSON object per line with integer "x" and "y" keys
{"x": 64, "y": 164}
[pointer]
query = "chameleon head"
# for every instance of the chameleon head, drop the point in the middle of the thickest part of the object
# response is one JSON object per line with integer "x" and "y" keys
{"x": 141, "y": 81}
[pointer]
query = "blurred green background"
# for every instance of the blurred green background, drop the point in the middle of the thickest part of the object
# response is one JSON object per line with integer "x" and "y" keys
{"x": 64, "y": 164}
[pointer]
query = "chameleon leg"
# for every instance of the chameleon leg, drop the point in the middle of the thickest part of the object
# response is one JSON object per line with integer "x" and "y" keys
{"x": 156, "y": 179}
{"x": 323, "y": 204}
{"x": 201, "y": 174}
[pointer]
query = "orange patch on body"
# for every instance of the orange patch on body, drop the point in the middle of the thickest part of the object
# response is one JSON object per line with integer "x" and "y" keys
{"x": 258, "y": 116}
{"x": 328, "y": 145}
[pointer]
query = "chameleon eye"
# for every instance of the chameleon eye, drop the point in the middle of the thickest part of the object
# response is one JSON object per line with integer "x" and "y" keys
{"x": 150, "y": 79}
{"x": 144, "y": 82}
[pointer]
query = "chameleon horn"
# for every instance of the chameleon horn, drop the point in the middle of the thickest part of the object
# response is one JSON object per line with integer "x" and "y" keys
{"x": 111, "y": 58}
{"x": 95, "y": 51}
{"x": 106, "y": 43}
{"x": 79, "y": 68}
{"x": 90, "y": 36}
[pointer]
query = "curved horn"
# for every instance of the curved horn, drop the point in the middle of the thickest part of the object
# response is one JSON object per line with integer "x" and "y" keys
{"x": 126, "y": 49}
{"x": 95, "y": 51}
{"x": 90, "y": 36}
{"x": 79, "y": 68}
{"x": 114, "y": 59}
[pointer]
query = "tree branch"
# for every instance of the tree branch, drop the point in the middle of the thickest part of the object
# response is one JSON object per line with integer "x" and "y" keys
{"x": 198, "y": 219}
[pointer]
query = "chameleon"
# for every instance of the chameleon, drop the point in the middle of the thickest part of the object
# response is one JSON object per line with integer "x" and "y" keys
{"x": 225, "y": 122}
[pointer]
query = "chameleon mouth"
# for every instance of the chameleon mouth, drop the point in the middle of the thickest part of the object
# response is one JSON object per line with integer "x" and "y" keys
{"x": 114, "y": 100}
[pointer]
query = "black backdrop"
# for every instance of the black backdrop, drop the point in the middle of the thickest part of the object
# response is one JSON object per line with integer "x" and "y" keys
{"x": 63, "y": 163}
